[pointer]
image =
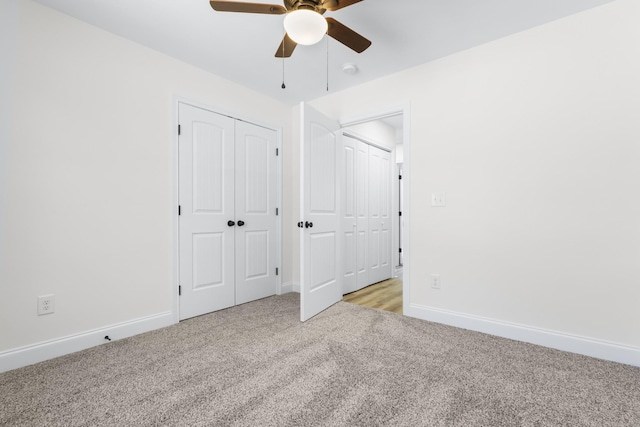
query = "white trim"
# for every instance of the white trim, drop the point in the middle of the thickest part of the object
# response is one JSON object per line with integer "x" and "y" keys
{"x": 558, "y": 340}
{"x": 175, "y": 235}
{"x": 290, "y": 287}
{"x": 28, "y": 355}
{"x": 279, "y": 196}
{"x": 369, "y": 141}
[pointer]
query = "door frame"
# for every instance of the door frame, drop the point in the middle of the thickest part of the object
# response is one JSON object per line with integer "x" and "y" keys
{"x": 405, "y": 110}
{"x": 175, "y": 243}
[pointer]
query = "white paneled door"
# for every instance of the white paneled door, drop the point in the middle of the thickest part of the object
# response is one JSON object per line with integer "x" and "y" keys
{"x": 362, "y": 215}
{"x": 227, "y": 223}
{"x": 379, "y": 215}
{"x": 355, "y": 218}
{"x": 255, "y": 205}
{"x": 349, "y": 219}
{"x": 321, "y": 284}
{"x": 366, "y": 214}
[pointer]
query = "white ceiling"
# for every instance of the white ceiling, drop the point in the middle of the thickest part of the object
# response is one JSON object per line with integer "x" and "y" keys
{"x": 240, "y": 47}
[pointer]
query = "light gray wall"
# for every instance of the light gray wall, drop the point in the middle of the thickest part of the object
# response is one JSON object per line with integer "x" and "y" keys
{"x": 535, "y": 140}
{"x": 89, "y": 202}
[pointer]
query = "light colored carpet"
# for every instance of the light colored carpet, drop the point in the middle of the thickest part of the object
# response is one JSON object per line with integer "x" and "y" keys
{"x": 257, "y": 365}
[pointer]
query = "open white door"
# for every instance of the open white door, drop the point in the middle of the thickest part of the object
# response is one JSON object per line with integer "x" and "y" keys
{"x": 320, "y": 260}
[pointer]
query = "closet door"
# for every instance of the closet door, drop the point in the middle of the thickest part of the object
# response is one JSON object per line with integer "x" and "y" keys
{"x": 349, "y": 211}
{"x": 362, "y": 215}
{"x": 255, "y": 208}
{"x": 375, "y": 238}
{"x": 227, "y": 191}
{"x": 385, "y": 215}
{"x": 206, "y": 198}
{"x": 379, "y": 215}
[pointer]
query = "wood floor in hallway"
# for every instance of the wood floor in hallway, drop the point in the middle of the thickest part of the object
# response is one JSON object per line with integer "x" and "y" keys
{"x": 385, "y": 295}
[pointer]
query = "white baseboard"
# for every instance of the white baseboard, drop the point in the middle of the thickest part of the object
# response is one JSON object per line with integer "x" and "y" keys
{"x": 290, "y": 287}
{"x": 553, "y": 339}
{"x": 28, "y": 355}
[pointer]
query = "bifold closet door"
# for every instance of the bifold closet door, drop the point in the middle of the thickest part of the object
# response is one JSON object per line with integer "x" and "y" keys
{"x": 379, "y": 215}
{"x": 362, "y": 215}
{"x": 355, "y": 220}
{"x": 366, "y": 219}
{"x": 349, "y": 220}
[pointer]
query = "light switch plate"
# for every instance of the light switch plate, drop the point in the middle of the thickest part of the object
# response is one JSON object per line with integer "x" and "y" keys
{"x": 438, "y": 199}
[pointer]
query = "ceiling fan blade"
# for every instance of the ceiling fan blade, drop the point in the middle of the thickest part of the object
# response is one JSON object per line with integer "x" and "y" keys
{"x": 236, "y": 6}
{"x": 347, "y": 36}
{"x": 286, "y": 48}
{"x": 337, "y": 4}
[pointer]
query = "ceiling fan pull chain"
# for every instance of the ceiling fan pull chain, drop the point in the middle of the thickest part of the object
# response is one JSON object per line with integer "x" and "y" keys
{"x": 327, "y": 37}
{"x": 283, "y": 85}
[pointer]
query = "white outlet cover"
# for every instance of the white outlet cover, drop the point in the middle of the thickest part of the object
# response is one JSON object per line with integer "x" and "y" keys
{"x": 46, "y": 304}
{"x": 435, "y": 281}
{"x": 438, "y": 199}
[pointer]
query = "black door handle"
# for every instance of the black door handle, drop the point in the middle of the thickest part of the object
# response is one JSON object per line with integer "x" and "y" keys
{"x": 300, "y": 224}
{"x": 231, "y": 223}
{"x": 308, "y": 224}
{"x": 240, "y": 223}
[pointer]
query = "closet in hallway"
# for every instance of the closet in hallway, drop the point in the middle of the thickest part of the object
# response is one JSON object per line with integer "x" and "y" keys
{"x": 366, "y": 213}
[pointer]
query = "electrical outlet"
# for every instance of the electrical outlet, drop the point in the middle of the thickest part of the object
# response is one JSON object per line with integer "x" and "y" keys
{"x": 46, "y": 304}
{"x": 435, "y": 281}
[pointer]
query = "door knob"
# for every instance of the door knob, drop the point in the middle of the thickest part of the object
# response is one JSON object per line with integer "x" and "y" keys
{"x": 231, "y": 223}
{"x": 240, "y": 223}
{"x": 308, "y": 224}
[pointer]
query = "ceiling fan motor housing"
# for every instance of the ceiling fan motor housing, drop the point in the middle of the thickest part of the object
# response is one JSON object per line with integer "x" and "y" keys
{"x": 315, "y": 5}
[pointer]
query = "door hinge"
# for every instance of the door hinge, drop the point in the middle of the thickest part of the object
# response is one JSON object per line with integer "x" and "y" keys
{"x": 277, "y": 211}
{"x": 399, "y": 176}
{"x": 179, "y": 129}
{"x": 400, "y": 213}
{"x": 400, "y": 250}
{"x": 179, "y": 210}
{"x": 277, "y": 271}
{"x": 277, "y": 151}
{"x": 179, "y": 290}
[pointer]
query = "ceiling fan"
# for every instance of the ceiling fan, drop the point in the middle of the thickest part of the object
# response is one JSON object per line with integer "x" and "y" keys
{"x": 312, "y": 11}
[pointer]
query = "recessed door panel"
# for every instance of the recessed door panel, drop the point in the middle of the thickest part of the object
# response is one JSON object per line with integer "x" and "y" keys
{"x": 208, "y": 167}
{"x": 323, "y": 269}
{"x": 256, "y": 254}
{"x": 256, "y": 173}
{"x": 322, "y": 173}
{"x": 208, "y": 260}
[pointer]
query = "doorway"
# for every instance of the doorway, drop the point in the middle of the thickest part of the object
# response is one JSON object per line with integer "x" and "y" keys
{"x": 389, "y": 130}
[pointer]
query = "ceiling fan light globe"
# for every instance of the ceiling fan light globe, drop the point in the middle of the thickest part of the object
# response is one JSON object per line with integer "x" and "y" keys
{"x": 305, "y": 27}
